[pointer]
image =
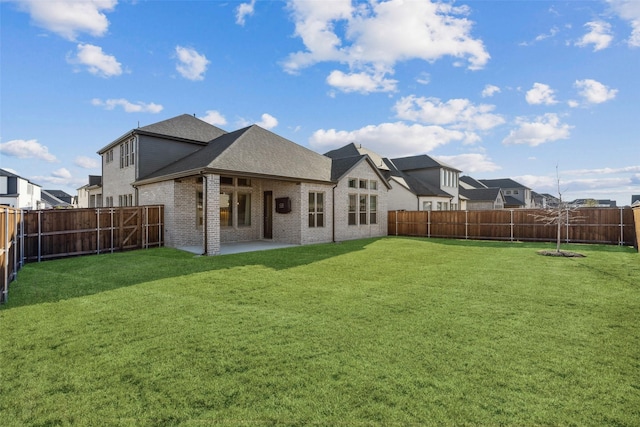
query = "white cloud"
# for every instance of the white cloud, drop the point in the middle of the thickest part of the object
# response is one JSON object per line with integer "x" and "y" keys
{"x": 394, "y": 139}
{"x": 544, "y": 129}
{"x": 599, "y": 35}
{"x": 97, "y": 61}
{"x": 244, "y": 10}
{"x": 377, "y": 35}
{"x": 191, "y": 65}
{"x": 490, "y": 90}
{"x": 213, "y": 117}
{"x": 60, "y": 177}
{"x": 456, "y": 113}
{"x": 629, "y": 10}
{"x": 471, "y": 162}
{"x": 540, "y": 94}
{"x": 594, "y": 92}
{"x": 128, "y": 107}
{"x": 86, "y": 162}
{"x": 424, "y": 78}
{"x": 361, "y": 82}
{"x": 268, "y": 121}
{"x": 27, "y": 149}
{"x": 68, "y": 18}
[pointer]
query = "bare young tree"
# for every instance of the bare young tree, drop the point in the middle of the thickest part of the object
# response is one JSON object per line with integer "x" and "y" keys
{"x": 558, "y": 215}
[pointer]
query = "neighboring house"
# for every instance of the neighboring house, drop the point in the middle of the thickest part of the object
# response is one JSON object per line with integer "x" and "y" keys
{"x": 250, "y": 184}
{"x": 434, "y": 184}
{"x": 545, "y": 200}
{"x": 18, "y": 192}
{"x": 144, "y": 150}
{"x": 56, "y": 199}
{"x": 593, "y": 203}
{"x": 90, "y": 195}
{"x": 635, "y": 200}
{"x": 478, "y": 196}
{"x": 417, "y": 183}
{"x": 516, "y": 195}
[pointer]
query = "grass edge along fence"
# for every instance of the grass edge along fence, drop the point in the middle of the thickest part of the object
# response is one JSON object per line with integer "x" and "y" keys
{"x": 34, "y": 236}
{"x": 588, "y": 225}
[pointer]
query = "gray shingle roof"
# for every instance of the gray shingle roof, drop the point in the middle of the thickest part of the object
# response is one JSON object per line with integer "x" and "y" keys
{"x": 253, "y": 151}
{"x": 512, "y": 201}
{"x": 480, "y": 194}
{"x": 502, "y": 183}
{"x": 185, "y": 126}
{"x": 419, "y": 162}
{"x": 472, "y": 182}
{"x": 417, "y": 187}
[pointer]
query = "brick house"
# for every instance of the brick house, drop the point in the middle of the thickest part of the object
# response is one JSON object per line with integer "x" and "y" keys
{"x": 246, "y": 185}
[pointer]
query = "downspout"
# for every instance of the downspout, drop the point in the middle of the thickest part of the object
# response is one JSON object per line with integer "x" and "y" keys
{"x": 205, "y": 222}
{"x": 333, "y": 216}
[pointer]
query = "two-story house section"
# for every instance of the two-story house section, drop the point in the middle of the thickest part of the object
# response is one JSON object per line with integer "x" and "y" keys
{"x": 439, "y": 181}
{"x": 18, "y": 192}
{"x": 516, "y": 195}
{"x": 143, "y": 150}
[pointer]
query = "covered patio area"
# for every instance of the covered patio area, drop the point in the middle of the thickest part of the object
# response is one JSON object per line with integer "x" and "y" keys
{"x": 239, "y": 247}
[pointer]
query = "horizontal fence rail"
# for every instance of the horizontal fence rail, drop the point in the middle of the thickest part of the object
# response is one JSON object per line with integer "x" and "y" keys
{"x": 586, "y": 225}
{"x": 33, "y": 236}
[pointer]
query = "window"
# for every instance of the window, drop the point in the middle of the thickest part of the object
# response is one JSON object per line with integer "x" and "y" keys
{"x": 427, "y": 206}
{"x": 244, "y": 182}
{"x": 353, "y": 183}
{"x": 439, "y": 206}
{"x": 373, "y": 209}
{"x": 508, "y": 192}
{"x": 108, "y": 156}
{"x": 363, "y": 209}
{"x": 226, "y": 210}
{"x": 226, "y": 180}
{"x": 352, "y": 219}
{"x": 316, "y": 209}
{"x": 244, "y": 209}
{"x": 363, "y": 184}
{"x": 132, "y": 153}
{"x": 516, "y": 192}
{"x": 130, "y": 200}
{"x": 373, "y": 185}
{"x": 199, "y": 210}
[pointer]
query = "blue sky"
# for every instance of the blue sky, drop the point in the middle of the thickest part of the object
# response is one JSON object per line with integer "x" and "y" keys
{"x": 498, "y": 89}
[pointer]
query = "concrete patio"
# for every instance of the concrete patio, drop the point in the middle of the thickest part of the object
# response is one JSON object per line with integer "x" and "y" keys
{"x": 239, "y": 247}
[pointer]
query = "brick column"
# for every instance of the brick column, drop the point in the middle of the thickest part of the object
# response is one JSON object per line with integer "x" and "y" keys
{"x": 212, "y": 214}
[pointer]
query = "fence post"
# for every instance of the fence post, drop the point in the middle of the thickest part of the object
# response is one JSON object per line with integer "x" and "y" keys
{"x": 621, "y": 242}
{"x": 396, "y": 222}
{"x": 511, "y": 225}
{"x": 111, "y": 227}
{"x": 429, "y": 223}
{"x": 466, "y": 224}
{"x": 39, "y": 236}
{"x": 98, "y": 230}
{"x": 5, "y": 262}
{"x": 21, "y": 238}
{"x": 567, "y": 226}
{"x": 160, "y": 224}
{"x": 15, "y": 244}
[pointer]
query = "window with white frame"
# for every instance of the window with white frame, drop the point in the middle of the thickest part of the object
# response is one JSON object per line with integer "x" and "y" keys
{"x": 352, "y": 216}
{"x": 362, "y": 209}
{"x": 316, "y": 209}
{"x": 373, "y": 209}
{"x": 226, "y": 209}
{"x": 353, "y": 183}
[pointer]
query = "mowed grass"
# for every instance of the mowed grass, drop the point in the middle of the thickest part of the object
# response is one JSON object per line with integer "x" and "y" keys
{"x": 391, "y": 331}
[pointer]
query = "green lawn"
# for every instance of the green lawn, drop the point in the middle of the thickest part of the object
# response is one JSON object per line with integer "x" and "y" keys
{"x": 385, "y": 331}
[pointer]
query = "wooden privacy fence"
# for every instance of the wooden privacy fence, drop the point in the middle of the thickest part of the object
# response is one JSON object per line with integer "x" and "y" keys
{"x": 30, "y": 236}
{"x": 62, "y": 233}
{"x": 589, "y": 225}
{"x": 10, "y": 247}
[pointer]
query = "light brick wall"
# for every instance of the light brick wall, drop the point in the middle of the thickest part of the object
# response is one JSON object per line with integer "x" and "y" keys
{"x": 344, "y": 231}
{"x": 162, "y": 193}
{"x": 117, "y": 181}
{"x": 316, "y": 234}
{"x": 212, "y": 213}
{"x": 186, "y": 231}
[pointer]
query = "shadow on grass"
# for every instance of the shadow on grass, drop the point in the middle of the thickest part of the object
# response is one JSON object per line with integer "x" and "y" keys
{"x": 52, "y": 281}
{"x": 526, "y": 245}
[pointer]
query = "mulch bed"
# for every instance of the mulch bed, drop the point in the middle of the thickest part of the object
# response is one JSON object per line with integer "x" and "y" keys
{"x": 567, "y": 254}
